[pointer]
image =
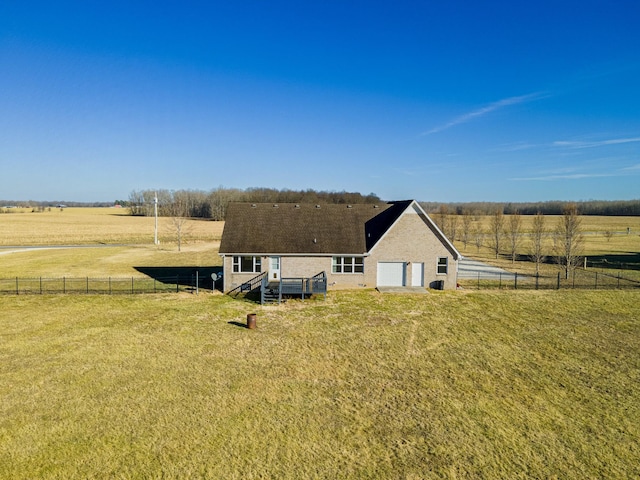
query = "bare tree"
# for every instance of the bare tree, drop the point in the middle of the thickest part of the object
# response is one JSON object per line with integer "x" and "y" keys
{"x": 496, "y": 230}
{"x": 538, "y": 234}
{"x": 452, "y": 227}
{"x": 179, "y": 211}
{"x": 568, "y": 239}
{"x": 467, "y": 224}
{"x": 478, "y": 237}
{"x": 441, "y": 217}
{"x": 136, "y": 203}
{"x": 514, "y": 236}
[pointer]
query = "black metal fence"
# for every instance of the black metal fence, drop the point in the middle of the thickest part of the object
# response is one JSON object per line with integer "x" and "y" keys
{"x": 583, "y": 279}
{"x": 109, "y": 285}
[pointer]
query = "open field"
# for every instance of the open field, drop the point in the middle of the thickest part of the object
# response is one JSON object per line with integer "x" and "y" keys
{"x": 124, "y": 261}
{"x": 595, "y": 241}
{"x": 617, "y": 255}
{"x": 118, "y": 245}
{"x": 362, "y": 385}
{"x": 86, "y": 226}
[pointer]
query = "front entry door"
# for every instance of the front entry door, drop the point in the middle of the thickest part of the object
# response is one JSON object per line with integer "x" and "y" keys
{"x": 274, "y": 269}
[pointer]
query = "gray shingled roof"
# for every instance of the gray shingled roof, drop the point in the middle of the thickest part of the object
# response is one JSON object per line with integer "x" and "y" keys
{"x": 287, "y": 228}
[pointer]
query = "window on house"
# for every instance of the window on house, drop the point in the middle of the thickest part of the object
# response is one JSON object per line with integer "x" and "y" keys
{"x": 347, "y": 265}
{"x": 443, "y": 263}
{"x": 246, "y": 264}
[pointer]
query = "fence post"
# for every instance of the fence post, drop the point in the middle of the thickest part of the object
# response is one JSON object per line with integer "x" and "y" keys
{"x": 109, "y": 285}
{"x": 558, "y": 280}
{"x": 596, "y": 285}
{"x": 17, "y": 287}
{"x": 64, "y": 284}
{"x": 40, "y": 285}
{"x": 478, "y": 280}
{"x": 197, "y": 282}
{"x": 87, "y": 284}
{"x": 132, "y": 285}
{"x": 515, "y": 281}
{"x": 500, "y": 281}
{"x": 537, "y": 279}
{"x": 177, "y": 283}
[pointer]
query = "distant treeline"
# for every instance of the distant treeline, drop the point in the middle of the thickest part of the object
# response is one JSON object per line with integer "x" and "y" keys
{"x": 37, "y": 204}
{"x": 589, "y": 207}
{"x": 213, "y": 204}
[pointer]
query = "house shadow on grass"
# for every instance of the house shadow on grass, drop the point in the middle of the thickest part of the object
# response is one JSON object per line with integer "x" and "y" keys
{"x": 623, "y": 261}
{"x": 185, "y": 276}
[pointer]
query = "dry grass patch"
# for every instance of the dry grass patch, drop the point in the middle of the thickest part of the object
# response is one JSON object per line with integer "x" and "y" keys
{"x": 363, "y": 385}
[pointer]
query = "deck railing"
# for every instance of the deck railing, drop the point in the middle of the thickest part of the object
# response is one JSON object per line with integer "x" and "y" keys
{"x": 295, "y": 286}
{"x": 248, "y": 286}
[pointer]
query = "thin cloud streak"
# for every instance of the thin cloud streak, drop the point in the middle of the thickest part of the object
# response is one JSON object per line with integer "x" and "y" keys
{"x": 601, "y": 143}
{"x": 574, "y": 176}
{"x": 506, "y": 102}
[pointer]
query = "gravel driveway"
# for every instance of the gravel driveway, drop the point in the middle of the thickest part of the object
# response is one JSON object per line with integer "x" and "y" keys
{"x": 471, "y": 269}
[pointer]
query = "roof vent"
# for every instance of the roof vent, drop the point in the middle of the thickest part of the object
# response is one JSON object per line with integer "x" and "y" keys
{"x": 349, "y": 206}
{"x": 317, "y": 206}
{"x": 275, "y": 205}
{"x": 375, "y": 206}
{"x": 253, "y": 205}
{"x": 315, "y": 240}
{"x": 297, "y": 206}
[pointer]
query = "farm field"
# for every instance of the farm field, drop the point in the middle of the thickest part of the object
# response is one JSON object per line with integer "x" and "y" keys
{"x": 117, "y": 244}
{"x": 362, "y": 385}
{"x": 617, "y": 254}
{"x": 594, "y": 228}
{"x": 96, "y": 226}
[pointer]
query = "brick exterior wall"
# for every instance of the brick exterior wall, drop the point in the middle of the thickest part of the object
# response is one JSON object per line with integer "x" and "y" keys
{"x": 411, "y": 241}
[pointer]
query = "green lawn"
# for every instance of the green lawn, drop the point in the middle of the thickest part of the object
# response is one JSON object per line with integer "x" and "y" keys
{"x": 363, "y": 385}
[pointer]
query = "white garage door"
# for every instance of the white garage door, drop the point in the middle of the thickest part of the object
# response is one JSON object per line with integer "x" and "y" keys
{"x": 391, "y": 274}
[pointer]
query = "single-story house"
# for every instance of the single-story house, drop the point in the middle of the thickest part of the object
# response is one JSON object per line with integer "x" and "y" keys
{"x": 360, "y": 245}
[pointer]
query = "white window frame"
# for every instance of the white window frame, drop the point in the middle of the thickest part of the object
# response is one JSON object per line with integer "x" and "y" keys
{"x": 237, "y": 264}
{"x": 442, "y": 266}
{"x": 347, "y": 265}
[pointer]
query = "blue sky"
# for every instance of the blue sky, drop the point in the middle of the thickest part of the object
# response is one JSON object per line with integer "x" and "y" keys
{"x": 437, "y": 101}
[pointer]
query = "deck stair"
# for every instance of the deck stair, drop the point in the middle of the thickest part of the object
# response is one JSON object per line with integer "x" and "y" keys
{"x": 271, "y": 293}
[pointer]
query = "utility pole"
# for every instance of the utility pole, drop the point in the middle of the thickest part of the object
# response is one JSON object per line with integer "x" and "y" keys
{"x": 155, "y": 212}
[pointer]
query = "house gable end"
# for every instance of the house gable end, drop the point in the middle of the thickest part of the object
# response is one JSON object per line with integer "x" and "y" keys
{"x": 413, "y": 208}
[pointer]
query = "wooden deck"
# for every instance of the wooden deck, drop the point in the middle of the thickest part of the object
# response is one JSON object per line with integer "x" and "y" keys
{"x": 273, "y": 292}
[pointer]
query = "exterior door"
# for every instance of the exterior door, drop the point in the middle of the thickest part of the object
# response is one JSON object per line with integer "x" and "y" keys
{"x": 274, "y": 269}
{"x": 417, "y": 274}
{"x": 391, "y": 274}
